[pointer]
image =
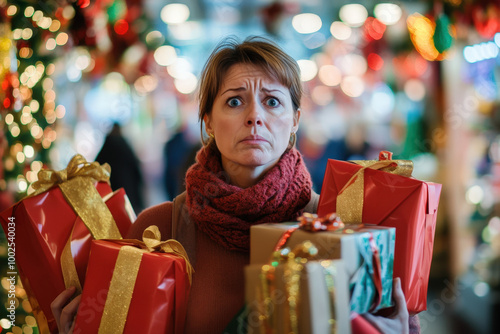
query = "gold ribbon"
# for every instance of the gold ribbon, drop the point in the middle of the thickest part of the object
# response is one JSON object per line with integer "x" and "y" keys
{"x": 125, "y": 274}
{"x": 77, "y": 185}
{"x": 350, "y": 198}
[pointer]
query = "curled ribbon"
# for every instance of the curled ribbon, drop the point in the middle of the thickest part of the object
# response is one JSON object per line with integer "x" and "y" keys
{"x": 350, "y": 198}
{"x": 312, "y": 223}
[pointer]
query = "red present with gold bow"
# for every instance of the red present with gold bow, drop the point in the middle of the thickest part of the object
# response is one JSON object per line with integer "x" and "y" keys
{"x": 55, "y": 225}
{"x": 135, "y": 287}
{"x": 383, "y": 193}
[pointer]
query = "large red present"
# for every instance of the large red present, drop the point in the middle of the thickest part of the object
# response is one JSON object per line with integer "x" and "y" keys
{"x": 135, "y": 287}
{"x": 372, "y": 192}
{"x": 55, "y": 226}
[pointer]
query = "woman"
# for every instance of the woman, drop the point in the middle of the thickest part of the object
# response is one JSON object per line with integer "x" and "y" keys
{"x": 247, "y": 173}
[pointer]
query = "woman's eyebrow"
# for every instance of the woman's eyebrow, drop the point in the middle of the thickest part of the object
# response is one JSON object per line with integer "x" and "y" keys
{"x": 239, "y": 89}
{"x": 272, "y": 91}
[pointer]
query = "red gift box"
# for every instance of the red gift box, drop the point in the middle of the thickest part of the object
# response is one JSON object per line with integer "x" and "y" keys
{"x": 44, "y": 225}
{"x": 391, "y": 200}
{"x": 132, "y": 290}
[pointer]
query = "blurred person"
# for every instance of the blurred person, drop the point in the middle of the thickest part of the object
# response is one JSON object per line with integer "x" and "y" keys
{"x": 248, "y": 172}
{"x": 125, "y": 167}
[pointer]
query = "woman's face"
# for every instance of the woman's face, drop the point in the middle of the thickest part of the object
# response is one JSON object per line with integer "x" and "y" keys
{"x": 252, "y": 118}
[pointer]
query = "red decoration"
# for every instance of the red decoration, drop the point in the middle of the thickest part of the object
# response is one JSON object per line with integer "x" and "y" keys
{"x": 486, "y": 20}
{"x": 375, "y": 62}
{"x": 373, "y": 29}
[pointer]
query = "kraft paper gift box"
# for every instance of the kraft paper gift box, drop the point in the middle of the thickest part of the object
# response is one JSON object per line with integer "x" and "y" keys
{"x": 135, "y": 287}
{"x": 353, "y": 245}
{"x": 57, "y": 224}
{"x": 372, "y": 192}
{"x": 322, "y": 305}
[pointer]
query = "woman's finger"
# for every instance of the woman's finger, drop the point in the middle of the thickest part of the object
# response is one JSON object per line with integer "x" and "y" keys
{"x": 59, "y": 302}
{"x": 399, "y": 299}
{"x": 68, "y": 315}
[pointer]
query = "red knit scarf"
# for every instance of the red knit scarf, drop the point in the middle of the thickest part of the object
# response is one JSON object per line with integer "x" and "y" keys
{"x": 225, "y": 212}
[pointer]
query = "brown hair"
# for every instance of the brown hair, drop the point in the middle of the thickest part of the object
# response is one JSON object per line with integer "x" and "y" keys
{"x": 256, "y": 51}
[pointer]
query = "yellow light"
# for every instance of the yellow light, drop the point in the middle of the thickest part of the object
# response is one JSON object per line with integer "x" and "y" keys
{"x": 12, "y": 10}
{"x": 51, "y": 44}
{"x": 50, "y": 116}
{"x": 340, "y": 30}
{"x": 9, "y": 164}
{"x": 352, "y": 86}
{"x": 308, "y": 69}
{"x": 30, "y": 321}
{"x": 22, "y": 185}
{"x": 31, "y": 176}
{"x": 55, "y": 26}
{"x": 306, "y": 23}
{"x": 15, "y": 131}
{"x": 68, "y": 12}
{"x": 165, "y": 55}
{"x": 353, "y": 15}
{"x": 46, "y": 143}
{"x": 330, "y": 75}
{"x": 28, "y": 12}
{"x": 26, "y": 118}
{"x": 144, "y": 84}
{"x": 9, "y": 118}
{"x": 34, "y": 105}
{"x": 421, "y": 34}
{"x": 20, "y": 157}
{"x": 50, "y": 69}
{"x": 45, "y": 22}
{"x": 47, "y": 84}
{"x": 60, "y": 111}
{"x": 27, "y": 306}
{"x": 186, "y": 85}
{"x": 25, "y": 52}
{"x": 36, "y": 166}
{"x": 174, "y": 13}
{"x": 50, "y": 95}
{"x": 37, "y": 16}
{"x": 17, "y": 33}
{"x": 29, "y": 151}
{"x": 62, "y": 38}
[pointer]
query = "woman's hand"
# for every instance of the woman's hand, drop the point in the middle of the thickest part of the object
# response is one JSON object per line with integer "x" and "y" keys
{"x": 397, "y": 323}
{"x": 64, "y": 310}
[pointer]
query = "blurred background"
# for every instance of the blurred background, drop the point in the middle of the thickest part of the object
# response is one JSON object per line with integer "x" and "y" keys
{"x": 116, "y": 81}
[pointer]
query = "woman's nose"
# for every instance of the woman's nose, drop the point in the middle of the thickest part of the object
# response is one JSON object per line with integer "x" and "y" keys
{"x": 254, "y": 115}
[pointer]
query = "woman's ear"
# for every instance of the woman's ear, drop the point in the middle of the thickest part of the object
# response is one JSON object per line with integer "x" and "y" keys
{"x": 296, "y": 118}
{"x": 208, "y": 124}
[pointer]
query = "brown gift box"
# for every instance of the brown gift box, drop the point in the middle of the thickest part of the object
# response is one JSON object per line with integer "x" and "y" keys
{"x": 315, "y": 301}
{"x": 264, "y": 237}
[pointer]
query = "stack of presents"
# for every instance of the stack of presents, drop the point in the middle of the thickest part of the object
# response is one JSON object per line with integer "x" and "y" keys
{"x": 374, "y": 222}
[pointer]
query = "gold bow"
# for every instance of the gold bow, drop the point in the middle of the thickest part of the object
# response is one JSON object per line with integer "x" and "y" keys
{"x": 152, "y": 240}
{"x": 78, "y": 166}
{"x": 350, "y": 198}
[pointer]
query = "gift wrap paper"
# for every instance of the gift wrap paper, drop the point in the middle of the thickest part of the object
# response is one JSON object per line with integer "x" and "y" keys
{"x": 352, "y": 245}
{"x": 390, "y": 200}
{"x": 319, "y": 310}
{"x": 48, "y": 228}
{"x": 132, "y": 290}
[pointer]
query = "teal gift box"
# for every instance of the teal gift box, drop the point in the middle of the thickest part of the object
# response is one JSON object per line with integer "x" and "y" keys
{"x": 366, "y": 250}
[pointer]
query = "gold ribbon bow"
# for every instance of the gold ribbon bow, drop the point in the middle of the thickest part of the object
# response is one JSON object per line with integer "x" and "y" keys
{"x": 125, "y": 274}
{"x": 351, "y": 196}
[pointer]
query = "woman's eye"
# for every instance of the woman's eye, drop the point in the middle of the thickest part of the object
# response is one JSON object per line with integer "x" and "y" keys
{"x": 273, "y": 102}
{"x": 234, "y": 102}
